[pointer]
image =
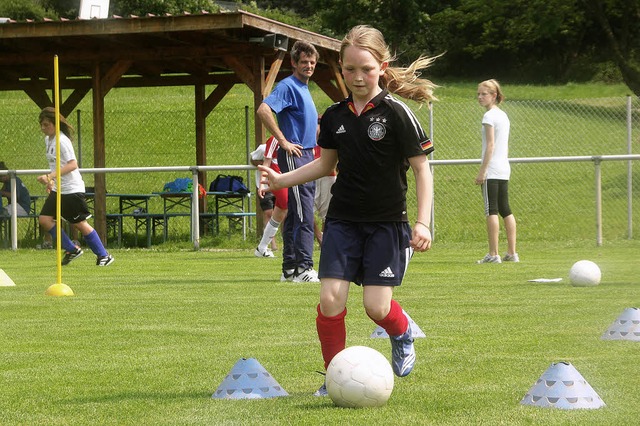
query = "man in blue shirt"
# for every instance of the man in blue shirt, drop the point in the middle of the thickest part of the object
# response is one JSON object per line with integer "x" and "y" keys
{"x": 295, "y": 130}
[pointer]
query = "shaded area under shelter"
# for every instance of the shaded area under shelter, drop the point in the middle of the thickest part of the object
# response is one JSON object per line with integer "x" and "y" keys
{"x": 211, "y": 52}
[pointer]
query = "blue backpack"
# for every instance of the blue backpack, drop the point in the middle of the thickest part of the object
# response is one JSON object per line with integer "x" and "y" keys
{"x": 228, "y": 183}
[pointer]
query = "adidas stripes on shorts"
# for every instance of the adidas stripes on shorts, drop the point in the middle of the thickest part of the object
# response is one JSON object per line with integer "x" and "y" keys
{"x": 495, "y": 193}
{"x": 365, "y": 253}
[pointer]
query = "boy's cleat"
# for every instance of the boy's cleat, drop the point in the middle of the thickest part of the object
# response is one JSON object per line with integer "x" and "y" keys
{"x": 71, "y": 255}
{"x": 403, "y": 354}
{"x": 322, "y": 391}
{"x": 287, "y": 275}
{"x": 511, "y": 258}
{"x": 490, "y": 259}
{"x": 105, "y": 260}
{"x": 266, "y": 253}
{"x": 306, "y": 276}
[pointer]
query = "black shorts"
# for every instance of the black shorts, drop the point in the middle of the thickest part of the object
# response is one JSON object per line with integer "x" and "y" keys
{"x": 73, "y": 207}
{"x": 496, "y": 197}
{"x": 375, "y": 253}
{"x": 268, "y": 201}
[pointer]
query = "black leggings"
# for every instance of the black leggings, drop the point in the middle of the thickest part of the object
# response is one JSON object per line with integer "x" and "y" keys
{"x": 496, "y": 197}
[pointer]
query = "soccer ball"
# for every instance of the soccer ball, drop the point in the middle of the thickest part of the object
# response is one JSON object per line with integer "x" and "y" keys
{"x": 584, "y": 273}
{"x": 359, "y": 377}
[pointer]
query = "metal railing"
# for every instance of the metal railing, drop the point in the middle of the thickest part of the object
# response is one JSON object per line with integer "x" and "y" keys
{"x": 195, "y": 217}
{"x": 194, "y": 170}
{"x": 596, "y": 159}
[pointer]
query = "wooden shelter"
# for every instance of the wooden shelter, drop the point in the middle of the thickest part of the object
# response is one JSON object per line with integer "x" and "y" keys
{"x": 207, "y": 51}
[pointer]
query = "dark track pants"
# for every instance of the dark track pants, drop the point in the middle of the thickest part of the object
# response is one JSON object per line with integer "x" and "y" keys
{"x": 297, "y": 230}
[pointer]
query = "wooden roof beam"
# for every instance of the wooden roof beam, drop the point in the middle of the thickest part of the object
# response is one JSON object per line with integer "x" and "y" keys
{"x": 113, "y": 75}
{"x": 73, "y": 100}
{"x": 337, "y": 76}
{"x": 38, "y": 93}
{"x": 215, "y": 97}
{"x": 273, "y": 73}
{"x": 242, "y": 71}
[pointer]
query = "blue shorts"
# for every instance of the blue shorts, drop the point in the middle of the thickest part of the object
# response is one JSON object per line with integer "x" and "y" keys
{"x": 369, "y": 253}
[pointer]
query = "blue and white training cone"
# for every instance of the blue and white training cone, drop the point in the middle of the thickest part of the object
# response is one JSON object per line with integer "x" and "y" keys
{"x": 625, "y": 327}
{"x": 248, "y": 380}
{"x": 561, "y": 386}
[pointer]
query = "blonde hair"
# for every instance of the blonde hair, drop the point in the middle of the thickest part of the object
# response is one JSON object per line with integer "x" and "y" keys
{"x": 49, "y": 114}
{"x": 493, "y": 87}
{"x": 404, "y": 82}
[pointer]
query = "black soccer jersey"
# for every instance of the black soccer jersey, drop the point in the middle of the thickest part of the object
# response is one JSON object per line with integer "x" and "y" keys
{"x": 373, "y": 151}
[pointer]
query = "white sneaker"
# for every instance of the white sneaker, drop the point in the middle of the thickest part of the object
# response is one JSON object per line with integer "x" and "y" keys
{"x": 511, "y": 257}
{"x": 105, "y": 260}
{"x": 490, "y": 259}
{"x": 266, "y": 253}
{"x": 287, "y": 275}
{"x": 307, "y": 276}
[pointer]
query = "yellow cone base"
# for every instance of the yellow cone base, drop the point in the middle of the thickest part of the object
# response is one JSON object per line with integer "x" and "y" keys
{"x": 59, "y": 290}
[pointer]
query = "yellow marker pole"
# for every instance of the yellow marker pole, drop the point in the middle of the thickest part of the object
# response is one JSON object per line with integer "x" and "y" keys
{"x": 58, "y": 289}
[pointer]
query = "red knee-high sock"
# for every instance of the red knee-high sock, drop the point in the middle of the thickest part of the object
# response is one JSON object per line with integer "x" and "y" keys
{"x": 332, "y": 334}
{"x": 396, "y": 322}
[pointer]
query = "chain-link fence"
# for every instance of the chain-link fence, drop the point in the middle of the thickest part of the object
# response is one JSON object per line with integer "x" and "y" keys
{"x": 551, "y": 200}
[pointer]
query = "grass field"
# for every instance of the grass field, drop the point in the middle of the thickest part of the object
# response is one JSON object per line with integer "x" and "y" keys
{"x": 150, "y": 338}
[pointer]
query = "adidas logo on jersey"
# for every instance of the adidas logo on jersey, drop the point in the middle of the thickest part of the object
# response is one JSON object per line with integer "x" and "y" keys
{"x": 341, "y": 130}
{"x": 387, "y": 273}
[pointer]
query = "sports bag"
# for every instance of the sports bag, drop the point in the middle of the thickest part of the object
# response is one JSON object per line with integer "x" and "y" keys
{"x": 228, "y": 183}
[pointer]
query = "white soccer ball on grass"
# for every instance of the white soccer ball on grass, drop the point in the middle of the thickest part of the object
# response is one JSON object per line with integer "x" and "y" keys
{"x": 584, "y": 273}
{"x": 359, "y": 377}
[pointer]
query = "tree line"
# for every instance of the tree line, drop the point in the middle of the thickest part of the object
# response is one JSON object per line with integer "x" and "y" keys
{"x": 527, "y": 41}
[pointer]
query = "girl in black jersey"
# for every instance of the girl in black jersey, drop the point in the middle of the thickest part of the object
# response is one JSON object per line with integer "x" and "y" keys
{"x": 373, "y": 139}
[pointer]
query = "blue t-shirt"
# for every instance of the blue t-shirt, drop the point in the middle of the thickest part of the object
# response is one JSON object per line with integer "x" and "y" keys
{"x": 22, "y": 194}
{"x": 296, "y": 112}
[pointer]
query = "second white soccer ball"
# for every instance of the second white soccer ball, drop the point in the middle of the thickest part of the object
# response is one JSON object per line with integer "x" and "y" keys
{"x": 584, "y": 273}
{"x": 359, "y": 377}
